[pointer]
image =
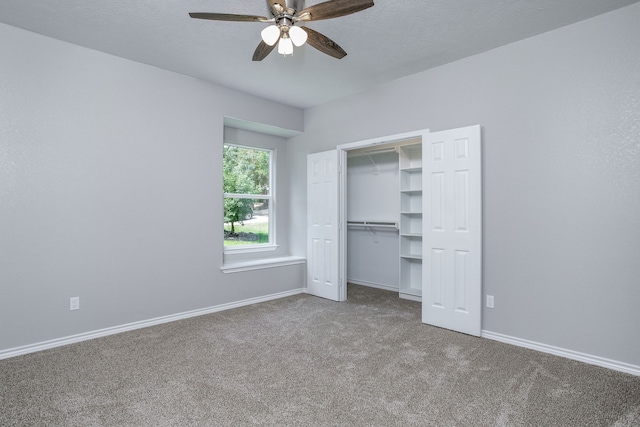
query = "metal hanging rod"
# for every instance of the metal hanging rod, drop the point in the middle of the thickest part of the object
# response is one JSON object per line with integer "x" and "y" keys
{"x": 371, "y": 152}
{"x": 377, "y": 224}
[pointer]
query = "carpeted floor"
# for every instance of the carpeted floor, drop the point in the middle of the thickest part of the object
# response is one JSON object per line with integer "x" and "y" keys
{"x": 305, "y": 361}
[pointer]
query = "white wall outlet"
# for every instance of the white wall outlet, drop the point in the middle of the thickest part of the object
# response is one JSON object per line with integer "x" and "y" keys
{"x": 74, "y": 303}
{"x": 490, "y": 301}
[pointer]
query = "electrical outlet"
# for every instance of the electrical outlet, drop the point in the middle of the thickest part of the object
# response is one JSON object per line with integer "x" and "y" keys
{"x": 490, "y": 301}
{"x": 74, "y": 303}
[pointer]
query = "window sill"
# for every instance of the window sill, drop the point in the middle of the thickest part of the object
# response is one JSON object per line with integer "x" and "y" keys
{"x": 249, "y": 249}
{"x": 239, "y": 266}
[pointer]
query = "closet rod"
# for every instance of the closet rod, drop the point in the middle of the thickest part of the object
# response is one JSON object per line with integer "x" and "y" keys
{"x": 372, "y": 152}
{"x": 380, "y": 224}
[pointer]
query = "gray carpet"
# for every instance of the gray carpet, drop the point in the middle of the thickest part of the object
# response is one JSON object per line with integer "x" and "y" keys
{"x": 305, "y": 361}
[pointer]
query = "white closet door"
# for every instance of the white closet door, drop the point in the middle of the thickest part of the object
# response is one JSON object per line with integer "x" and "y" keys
{"x": 323, "y": 225}
{"x": 452, "y": 234}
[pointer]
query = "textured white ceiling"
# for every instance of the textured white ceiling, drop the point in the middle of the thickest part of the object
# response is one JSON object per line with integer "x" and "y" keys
{"x": 394, "y": 38}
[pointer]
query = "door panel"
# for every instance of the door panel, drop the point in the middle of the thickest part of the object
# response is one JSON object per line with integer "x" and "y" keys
{"x": 452, "y": 230}
{"x": 323, "y": 225}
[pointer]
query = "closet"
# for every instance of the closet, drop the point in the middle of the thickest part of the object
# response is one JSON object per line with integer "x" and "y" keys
{"x": 402, "y": 213}
{"x": 384, "y": 217}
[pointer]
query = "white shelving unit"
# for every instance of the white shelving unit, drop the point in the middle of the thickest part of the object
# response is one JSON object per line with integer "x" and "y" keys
{"x": 410, "y": 158}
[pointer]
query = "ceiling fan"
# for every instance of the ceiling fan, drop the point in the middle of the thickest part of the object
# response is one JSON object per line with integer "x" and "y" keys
{"x": 284, "y": 31}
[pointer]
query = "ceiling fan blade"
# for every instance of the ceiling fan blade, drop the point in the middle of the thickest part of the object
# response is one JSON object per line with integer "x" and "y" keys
{"x": 262, "y": 51}
{"x": 333, "y": 9}
{"x": 277, "y": 6}
{"x": 229, "y": 17}
{"x": 324, "y": 44}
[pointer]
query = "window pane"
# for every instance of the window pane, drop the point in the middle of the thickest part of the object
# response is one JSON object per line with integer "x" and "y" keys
{"x": 246, "y": 174}
{"x": 246, "y": 221}
{"x": 246, "y": 170}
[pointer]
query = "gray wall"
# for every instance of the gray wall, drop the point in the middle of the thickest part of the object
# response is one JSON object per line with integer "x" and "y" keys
{"x": 111, "y": 190}
{"x": 560, "y": 114}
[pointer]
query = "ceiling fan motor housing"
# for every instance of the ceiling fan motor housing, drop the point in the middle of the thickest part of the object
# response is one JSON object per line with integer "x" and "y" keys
{"x": 284, "y": 21}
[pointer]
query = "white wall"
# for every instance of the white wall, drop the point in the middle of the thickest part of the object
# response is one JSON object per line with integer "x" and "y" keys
{"x": 373, "y": 188}
{"x": 111, "y": 190}
{"x": 560, "y": 114}
{"x": 373, "y": 195}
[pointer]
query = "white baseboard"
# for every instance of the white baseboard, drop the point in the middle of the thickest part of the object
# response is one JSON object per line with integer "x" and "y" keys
{"x": 58, "y": 342}
{"x": 373, "y": 285}
{"x": 569, "y": 354}
{"x": 410, "y": 297}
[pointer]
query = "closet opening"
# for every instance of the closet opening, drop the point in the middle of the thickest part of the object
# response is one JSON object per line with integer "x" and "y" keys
{"x": 382, "y": 210}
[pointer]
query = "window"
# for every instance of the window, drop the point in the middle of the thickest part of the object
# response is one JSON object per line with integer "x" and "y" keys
{"x": 248, "y": 198}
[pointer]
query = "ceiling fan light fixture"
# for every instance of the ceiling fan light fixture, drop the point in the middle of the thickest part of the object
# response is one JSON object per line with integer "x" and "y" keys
{"x": 298, "y": 36}
{"x": 270, "y": 35}
{"x": 285, "y": 18}
{"x": 285, "y": 46}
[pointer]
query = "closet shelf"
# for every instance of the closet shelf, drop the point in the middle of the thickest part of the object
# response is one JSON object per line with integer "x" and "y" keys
{"x": 416, "y": 235}
{"x": 412, "y": 169}
{"x": 411, "y": 190}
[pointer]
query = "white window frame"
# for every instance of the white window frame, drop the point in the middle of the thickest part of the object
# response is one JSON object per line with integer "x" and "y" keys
{"x": 260, "y": 247}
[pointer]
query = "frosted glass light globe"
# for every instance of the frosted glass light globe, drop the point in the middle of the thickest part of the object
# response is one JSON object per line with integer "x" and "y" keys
{"x": 270, "y": 35}
{"x": 298, "y": 36}
{"x": 285, "y": 47}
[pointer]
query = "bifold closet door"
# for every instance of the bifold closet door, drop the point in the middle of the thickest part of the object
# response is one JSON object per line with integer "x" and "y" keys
{"x": 323, "y": 234}
{"x": 452, "y": 221}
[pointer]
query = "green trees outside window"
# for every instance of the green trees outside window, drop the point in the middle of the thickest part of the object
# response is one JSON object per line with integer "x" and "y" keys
{"x": 247, "y": 195}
